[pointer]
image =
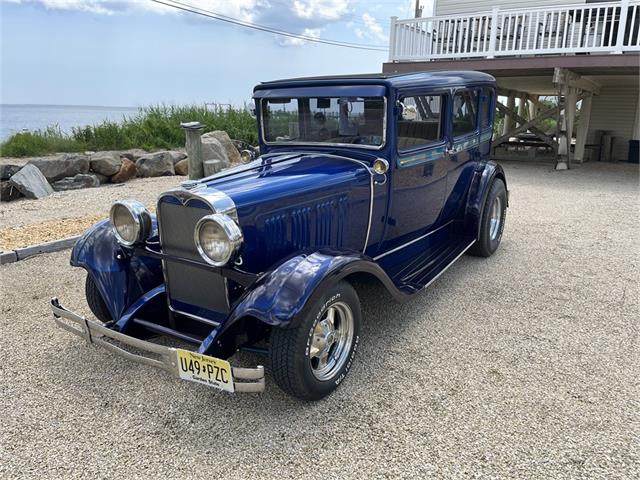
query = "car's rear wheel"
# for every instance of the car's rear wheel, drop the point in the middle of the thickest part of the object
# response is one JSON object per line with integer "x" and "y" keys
{"x": 311, "y": 360}
{"x": 492, "y": 222}
{"x": 95, "y": 301}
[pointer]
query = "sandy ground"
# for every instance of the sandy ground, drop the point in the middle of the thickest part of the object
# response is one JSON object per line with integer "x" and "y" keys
{"x": 523, "y": 365}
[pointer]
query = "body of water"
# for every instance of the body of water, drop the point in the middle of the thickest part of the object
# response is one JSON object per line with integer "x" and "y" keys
{"x": 17, "y": 118}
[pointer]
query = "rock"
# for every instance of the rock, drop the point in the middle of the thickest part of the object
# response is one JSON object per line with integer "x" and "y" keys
{"x": 155, "y": 165}
{"x": 177, "y": 156}
{"x": 6, "y": 171}
{"x": 102, "y": 178}
{"x": 81, "y": 180}
{"x": 8, "y": 192}
{"x": 106, "y": 163}
{"x": 212, "y": 149}
{"x": 134, "y": 154}
{"x": 67, "y": 165}
{"x": 182, "y": 167}
{"x": 212, "y": 166}
{"x": 127, "y": 170}
{"x": 31, "y": 182}
{"x": 233, "y": 156}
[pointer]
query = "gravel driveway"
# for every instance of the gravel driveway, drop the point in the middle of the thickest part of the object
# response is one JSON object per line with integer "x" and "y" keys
{"x": 522, "y": 365}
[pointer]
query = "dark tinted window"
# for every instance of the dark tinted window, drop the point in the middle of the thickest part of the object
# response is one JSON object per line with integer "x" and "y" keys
{"x": 485, "y": 106}
{"x": 465, "y": 110}
{"x": 421, "y": 121}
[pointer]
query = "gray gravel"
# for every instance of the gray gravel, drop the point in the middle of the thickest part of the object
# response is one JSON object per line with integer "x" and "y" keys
{"x": 522, "y": 365}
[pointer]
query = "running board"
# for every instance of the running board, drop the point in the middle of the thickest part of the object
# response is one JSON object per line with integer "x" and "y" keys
{"x": 424, "y": 269}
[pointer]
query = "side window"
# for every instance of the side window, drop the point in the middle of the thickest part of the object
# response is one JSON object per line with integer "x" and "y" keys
{"x": 465, "y": 109}
{"x": 486, "y": 99}
{"x": 421, "y": 121}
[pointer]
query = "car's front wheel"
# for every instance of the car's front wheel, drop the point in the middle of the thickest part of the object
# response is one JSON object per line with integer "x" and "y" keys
{"x": 311, "y": 360}
{"x": 95, "y": 301}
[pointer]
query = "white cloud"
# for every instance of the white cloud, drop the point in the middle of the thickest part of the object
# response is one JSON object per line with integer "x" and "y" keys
{"x": 308, "y": 32}
{"x": 373, "y": 30}
{"x": 320, "y": 9}
{"x": 241, "y": 9}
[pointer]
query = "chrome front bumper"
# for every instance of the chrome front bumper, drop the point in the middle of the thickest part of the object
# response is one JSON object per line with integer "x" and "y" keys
{"x": 244, "y": 379}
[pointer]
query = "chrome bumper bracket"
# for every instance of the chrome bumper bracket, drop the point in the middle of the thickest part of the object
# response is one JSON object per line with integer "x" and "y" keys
{"x": 245, "y": 379}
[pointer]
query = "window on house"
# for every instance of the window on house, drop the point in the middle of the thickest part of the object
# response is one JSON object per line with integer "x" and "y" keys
{"x": 421, "y": 121}
{"x": 465, "y": 109}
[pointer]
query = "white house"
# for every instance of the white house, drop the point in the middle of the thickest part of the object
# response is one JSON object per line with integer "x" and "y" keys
{"x": 585, "y": 52}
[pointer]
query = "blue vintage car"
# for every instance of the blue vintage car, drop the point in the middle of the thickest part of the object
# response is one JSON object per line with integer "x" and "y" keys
{"x": 385, "y": 177}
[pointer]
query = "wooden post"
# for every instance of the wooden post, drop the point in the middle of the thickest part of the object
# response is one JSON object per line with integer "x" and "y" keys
{"x": 533, "y": 106}
{"x": 193, "y": 131}
{"x": 507, "y": 126}
{"x": 583, "y": 129}
{"x": 522, "y": 106}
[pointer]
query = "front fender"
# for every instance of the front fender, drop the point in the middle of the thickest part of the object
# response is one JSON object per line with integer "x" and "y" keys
{"x": 480, "y": 185}
{"x": 120, "y": 276}
{"x": 281, "y": 297}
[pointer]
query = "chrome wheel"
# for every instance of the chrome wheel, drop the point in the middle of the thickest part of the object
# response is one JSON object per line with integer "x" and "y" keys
{"x": 331, "y": 342}
{"x": 495, "y": 219}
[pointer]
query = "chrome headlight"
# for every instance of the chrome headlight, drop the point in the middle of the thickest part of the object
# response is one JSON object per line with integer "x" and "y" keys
{"x": 131, "y": 222}
{"x": 218, "y": 239}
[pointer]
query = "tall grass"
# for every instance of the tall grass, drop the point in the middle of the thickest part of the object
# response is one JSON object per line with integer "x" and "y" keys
{"x": 155, "y": 127}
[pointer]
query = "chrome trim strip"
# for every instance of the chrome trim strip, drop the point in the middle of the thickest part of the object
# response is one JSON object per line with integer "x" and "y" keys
{"x": 197, "y": 318}
{"x": 450, "y": 263}
{"x": 412, "y": 241}
{"x": 219, "y": 201}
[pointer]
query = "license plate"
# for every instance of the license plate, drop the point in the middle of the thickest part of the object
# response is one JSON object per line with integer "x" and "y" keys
{"x": 204, "y": 369}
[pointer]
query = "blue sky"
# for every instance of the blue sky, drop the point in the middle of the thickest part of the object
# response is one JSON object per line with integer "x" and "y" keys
{"x": 135, "y": 52}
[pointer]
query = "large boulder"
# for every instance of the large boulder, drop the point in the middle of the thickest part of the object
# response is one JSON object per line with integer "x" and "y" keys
{"x": 81, "y": 180}
{"x": 106, "y": 163}
{"x": 155, "y": 165}
{"x": 177, "y": 156}
{"x": 212, "y": 149}
{"x": 67, "y": 165}
{"x": 182, "y": 167}
{"x": 6, "y": 171}
{"x": 127, "y": 170}
{"x": 8, "y": 192}
{"x": 31, "y": 182}
{"x": 232, "y": 154}
{"x": 133, "y": 154}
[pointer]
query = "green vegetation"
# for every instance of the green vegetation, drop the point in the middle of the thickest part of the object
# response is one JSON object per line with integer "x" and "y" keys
{"x": 156, "y": 127}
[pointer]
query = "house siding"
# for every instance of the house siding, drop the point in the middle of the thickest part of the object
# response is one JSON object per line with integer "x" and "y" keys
{"x": 614, "y": 110}
{"x": 452, "y": 7}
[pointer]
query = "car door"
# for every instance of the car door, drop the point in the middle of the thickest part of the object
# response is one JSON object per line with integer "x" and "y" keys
{"x": 463, "y": 151}
{"x": 420, "y": 171}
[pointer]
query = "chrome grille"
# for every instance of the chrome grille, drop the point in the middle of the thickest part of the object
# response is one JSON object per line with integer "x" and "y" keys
{"x": 188, "y": 284}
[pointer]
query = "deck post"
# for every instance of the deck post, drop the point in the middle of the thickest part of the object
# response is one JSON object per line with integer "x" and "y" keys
{"x": 393, "y": 41}
{"x": 522, "y": 106}
{"x": 622, "y": 26}
{"x": 583, "y": 129}
{"x": 533, "y": 106}
{"x": 507, "y": 126}
{"x": 493, "y": 31}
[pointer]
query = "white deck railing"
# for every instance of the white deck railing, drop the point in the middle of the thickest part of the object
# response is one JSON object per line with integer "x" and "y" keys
{"x": 569, "y": 29}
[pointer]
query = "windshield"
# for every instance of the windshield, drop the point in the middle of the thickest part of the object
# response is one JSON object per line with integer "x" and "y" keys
{"x": 326, "y": 120}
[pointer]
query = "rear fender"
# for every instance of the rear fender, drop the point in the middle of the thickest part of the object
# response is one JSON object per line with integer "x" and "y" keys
{"x": 120, "y": 276}
{"x": 480, "y": 186}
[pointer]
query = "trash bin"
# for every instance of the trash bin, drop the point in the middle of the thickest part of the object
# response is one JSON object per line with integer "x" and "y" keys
{"x": 634, "y": 151}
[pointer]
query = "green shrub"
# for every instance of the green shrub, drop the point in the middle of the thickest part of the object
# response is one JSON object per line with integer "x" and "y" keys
{"x": 155, "y": 127}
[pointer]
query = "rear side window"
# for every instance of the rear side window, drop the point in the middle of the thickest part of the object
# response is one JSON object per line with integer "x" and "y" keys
{"x": 486, "y": 99}
{"x": 421, "y": 122}
{"x": 465, "y": 112}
